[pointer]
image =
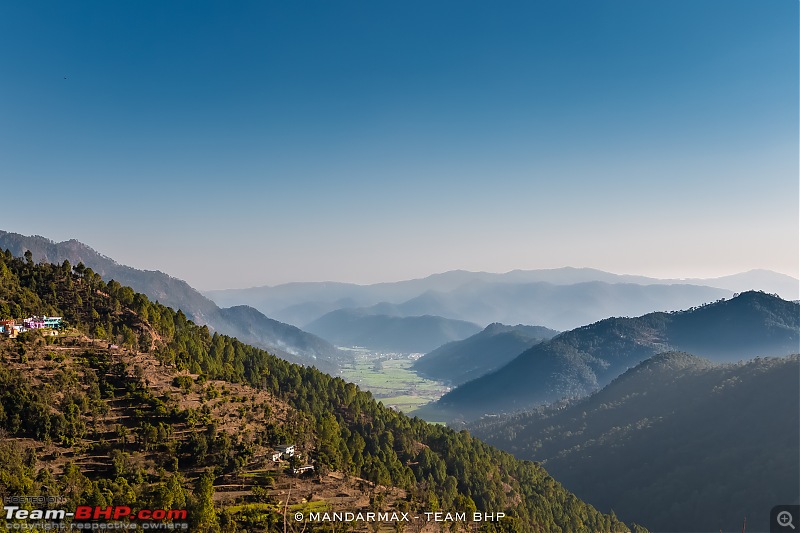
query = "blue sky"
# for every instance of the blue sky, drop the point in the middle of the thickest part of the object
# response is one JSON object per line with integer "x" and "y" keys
{"x": 249, "y": 143}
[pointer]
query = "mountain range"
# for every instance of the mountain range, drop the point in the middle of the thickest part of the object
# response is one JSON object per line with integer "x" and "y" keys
{"x": 580, "y": 361}
{"x": 560, "y": 299}
{"x": 460, "y": 361}
{"x": 351, "y": 327}
{"x": 246, "y": 323}
{"x": 678, "y": 442}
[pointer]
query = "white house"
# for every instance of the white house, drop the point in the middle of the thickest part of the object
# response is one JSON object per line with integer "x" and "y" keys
{"x": 287, "y": 450}
{"x": 302, "y": 469}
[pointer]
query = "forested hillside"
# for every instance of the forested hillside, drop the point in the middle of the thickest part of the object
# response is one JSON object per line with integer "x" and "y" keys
{"x": 461, "y": 361}
{"x": 678, "y": 443}
{"x": 578, "y": 362}
{"x": 341, "y": 428}
{"x": 248, "y": 325}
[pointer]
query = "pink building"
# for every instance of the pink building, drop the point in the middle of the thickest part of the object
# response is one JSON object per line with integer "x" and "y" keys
{"x": 41, "y": 322}
{"x": 33, "y": 322}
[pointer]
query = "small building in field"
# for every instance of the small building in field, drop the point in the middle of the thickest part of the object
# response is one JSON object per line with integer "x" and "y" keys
{"x": 276, "y": 456}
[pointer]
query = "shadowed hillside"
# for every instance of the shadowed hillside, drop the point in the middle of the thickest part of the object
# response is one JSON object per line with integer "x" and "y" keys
{"x": 460, "y": 361}
{"x": 678, "y": 442}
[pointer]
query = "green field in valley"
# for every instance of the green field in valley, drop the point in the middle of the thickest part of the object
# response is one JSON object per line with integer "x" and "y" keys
{"x": 390, "y": 380}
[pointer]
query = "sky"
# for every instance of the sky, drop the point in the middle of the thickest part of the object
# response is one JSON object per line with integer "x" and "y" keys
{"x": 236, "y": 144}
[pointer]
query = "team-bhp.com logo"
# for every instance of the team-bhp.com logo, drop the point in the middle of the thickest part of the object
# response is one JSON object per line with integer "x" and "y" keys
{"x": 86, "y": 512}
{"x": 91, "y": 517}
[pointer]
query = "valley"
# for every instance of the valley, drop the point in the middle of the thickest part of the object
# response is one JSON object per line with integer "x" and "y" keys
{"x": 391, "y": 379}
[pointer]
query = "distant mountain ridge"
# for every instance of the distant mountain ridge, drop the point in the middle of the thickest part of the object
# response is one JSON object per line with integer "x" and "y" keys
{"x": 160, "y": 286}
{"x": 717, "y": 441}
{"x": 348, "y": 327}
{"x": 460, "y": 361}
{"x": 577, "y": 362}
{"x": 520, "y": 296}
{"x": 250, "y": 326}
{"x": 559, "y": 307}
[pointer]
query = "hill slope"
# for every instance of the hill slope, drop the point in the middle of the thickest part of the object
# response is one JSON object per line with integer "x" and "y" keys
{"x": 349, "y": 327}
{"x": 405, "y": 463}
{"x": 580, "y": 361}
{"x": 297, "y": 346}
{"x": 461, "y": 361}
{"x": 718, "y": 442}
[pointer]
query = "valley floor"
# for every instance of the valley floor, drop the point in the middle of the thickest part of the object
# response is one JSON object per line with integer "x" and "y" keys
{"x": 390, "y": 379}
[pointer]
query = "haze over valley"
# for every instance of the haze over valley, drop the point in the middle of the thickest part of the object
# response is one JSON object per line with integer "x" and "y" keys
{"x": 560, "y": 299}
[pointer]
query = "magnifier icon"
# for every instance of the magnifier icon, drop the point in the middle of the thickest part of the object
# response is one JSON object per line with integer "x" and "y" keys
{"x": 784, "y": 519}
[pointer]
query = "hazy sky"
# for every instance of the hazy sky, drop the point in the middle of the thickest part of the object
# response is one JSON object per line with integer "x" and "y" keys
{"x": 234, "y": 144}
